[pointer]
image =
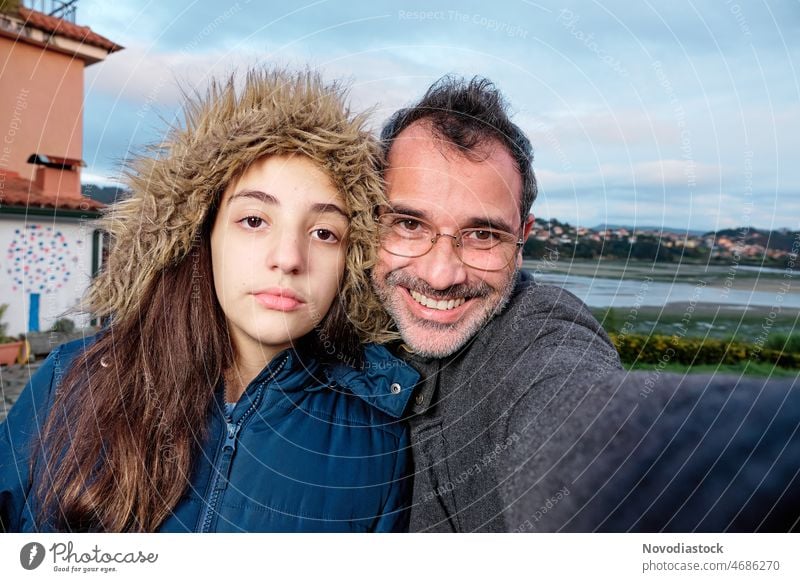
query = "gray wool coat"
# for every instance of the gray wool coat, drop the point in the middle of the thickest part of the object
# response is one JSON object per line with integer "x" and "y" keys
{"x": 535, "y": 427}
{"x": 651, "y": 452}
{"x": 515, "y": 382}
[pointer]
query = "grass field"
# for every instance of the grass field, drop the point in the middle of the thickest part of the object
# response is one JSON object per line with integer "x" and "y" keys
{"x": 707, "y": 321}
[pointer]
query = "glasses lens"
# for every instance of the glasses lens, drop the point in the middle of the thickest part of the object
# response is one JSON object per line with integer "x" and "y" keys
{"x": 404, "y": 235}
{"x": 493, "y": 259}
{"x": 487, "y": 249}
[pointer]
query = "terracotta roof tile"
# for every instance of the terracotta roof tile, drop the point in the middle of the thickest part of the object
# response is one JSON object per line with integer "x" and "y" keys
{"x": 52, "y": 24}
{"x": 17, "y": 191}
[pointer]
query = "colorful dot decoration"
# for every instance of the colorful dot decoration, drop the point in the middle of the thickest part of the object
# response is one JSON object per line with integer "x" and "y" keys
{"x": 41, "y": 258}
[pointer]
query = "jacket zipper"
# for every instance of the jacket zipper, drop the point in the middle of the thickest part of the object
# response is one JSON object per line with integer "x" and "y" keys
{"x": 225, "y": 458}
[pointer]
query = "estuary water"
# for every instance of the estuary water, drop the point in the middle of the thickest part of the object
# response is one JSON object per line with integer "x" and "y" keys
{"x": 625, "y": 285}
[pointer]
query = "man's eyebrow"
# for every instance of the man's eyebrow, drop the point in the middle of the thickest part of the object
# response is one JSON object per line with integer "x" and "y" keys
{"x": 320, "y": 208}
{"x": 408, "y": 211}
{"x": 489, "y": 223}
{"x": 474, "y": 222}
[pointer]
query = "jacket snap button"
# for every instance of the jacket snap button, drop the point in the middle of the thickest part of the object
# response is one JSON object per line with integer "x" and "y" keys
{"x": 395, "y": 388}
{"x": 419, "y": 400}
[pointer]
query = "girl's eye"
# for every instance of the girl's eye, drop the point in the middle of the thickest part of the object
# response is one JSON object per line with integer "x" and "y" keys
{"x": 252, "y": 221}
{"x": 325, "y": 235}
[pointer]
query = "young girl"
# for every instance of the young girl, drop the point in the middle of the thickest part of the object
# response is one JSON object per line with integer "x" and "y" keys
{"x": 230, "y": 390}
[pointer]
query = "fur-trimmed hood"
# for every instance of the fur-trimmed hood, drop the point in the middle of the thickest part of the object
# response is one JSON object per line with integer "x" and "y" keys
{"x": 175, "y": 184}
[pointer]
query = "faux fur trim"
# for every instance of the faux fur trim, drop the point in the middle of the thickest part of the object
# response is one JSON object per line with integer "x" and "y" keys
{"x": 175, "y": 183}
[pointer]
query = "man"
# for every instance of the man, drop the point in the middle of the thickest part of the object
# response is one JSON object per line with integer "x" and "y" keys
{"x": 497, "y": 350}
{"x": 525, "y": 420}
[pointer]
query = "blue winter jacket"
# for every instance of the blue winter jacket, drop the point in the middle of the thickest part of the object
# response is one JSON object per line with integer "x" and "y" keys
{"x": 306, "y": 448}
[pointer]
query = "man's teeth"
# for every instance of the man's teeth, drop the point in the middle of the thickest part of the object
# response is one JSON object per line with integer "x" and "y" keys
{"x": 433, "y": 304}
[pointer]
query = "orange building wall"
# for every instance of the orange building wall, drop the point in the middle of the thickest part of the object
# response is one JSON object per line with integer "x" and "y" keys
{"x": 41, "y": 98}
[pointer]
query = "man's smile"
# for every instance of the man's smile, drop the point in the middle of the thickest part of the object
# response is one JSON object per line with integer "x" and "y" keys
{"x": 442, "y": 305}
{"x": 436, "y": 308}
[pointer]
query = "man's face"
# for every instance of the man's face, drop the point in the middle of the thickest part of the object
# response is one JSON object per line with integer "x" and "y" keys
{"x": 437, "y": 302}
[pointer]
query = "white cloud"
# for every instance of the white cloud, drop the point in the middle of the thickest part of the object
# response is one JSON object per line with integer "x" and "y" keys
{"x": 625, "y": 127}
{"x": 684, "y": 174}
{"x": 100, "y": 179}
{"x": 680, "y": 173}
{"x": 142, "y": 76}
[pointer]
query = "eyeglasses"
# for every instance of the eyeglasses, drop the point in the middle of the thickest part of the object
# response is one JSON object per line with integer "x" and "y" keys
{"x": 486, "y": 249}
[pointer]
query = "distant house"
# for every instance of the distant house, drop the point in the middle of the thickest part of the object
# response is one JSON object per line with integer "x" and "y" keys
{"x": 49, "y": 248}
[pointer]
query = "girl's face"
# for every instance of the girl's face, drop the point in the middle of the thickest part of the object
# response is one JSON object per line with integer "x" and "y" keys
{"x": 278, "y": 248}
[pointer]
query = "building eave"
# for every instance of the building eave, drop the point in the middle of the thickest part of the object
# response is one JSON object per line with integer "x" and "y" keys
{"x": 48, "y": 211}
{"x": 85, "y": 45}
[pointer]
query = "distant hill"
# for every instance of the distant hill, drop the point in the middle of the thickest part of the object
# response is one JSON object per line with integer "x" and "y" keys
{"x": 650, "y": 228}
{"x": 104, "y": 194}
{"x": 771, "y": 239}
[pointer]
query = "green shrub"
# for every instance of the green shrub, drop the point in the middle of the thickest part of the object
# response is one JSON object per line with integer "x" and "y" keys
{"x": 609, "y": 320}
{"x": 697, "y": 351}
{"x": 4, "y": 326}
{"x": 63, "y": 325}
{"x": 10, "y": 7}
{"x": 784, "y": 342}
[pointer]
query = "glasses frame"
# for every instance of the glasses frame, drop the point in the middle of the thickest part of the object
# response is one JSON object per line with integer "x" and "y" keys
{"x": 455, "y": 240}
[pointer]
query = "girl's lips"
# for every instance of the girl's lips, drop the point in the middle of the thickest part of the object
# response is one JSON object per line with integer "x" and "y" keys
{"x": 278, "y": 300}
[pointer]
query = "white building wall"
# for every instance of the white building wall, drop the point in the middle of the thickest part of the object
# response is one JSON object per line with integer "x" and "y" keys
{"x": 51, "y": 257}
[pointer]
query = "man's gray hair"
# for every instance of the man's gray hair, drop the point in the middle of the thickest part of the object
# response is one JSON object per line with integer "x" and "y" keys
{"x": 468, "y": 114}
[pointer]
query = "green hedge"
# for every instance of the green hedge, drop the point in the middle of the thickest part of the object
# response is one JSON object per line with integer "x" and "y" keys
{"x": 696, "y": 351}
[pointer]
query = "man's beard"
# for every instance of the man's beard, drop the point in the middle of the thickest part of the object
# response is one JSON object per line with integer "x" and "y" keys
{"x": 441, "y": 339}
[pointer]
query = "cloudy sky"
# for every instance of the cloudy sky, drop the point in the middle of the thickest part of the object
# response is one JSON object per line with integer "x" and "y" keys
{"x": 684, "y": 114}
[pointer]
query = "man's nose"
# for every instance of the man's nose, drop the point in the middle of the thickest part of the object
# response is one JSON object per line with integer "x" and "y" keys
{"x": 440, "y": 267}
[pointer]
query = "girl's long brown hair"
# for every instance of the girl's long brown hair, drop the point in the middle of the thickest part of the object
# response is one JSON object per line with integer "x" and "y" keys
{"x": 118, "y": 445}
{"x": 117, "y": 448}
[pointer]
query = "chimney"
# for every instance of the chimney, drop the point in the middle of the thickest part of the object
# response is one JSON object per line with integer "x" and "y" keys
{"x": 56, "y": 176}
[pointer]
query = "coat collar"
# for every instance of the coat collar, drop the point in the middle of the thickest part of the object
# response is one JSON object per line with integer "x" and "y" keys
{"x": 384, "y": 381}
{"x": 294, "y": 369}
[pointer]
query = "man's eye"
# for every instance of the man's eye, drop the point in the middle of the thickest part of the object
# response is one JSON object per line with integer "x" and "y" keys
{"x": 482, "y": 235}
{"x": 481, "y": 238}
{"x": 325, "y": 235}
{"x": 407, "y": 224}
